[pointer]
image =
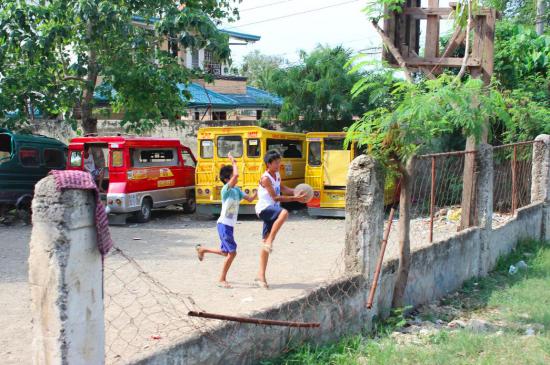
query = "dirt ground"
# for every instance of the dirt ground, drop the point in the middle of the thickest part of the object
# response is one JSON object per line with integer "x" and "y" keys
{"x": 308, "y": 252}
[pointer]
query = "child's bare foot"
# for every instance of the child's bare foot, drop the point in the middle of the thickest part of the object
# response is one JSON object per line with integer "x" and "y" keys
{"x": 261, "y": 283}
{"x": 200, "y": 252}
{"x": 224, "y": 284}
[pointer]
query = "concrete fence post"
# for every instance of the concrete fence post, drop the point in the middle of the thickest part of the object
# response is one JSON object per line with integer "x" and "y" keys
{"x": 484, "y": 203}
{"x": 65, "y": 277}
{"x": 364, "y": 216}
{"x": 540, "y": 180}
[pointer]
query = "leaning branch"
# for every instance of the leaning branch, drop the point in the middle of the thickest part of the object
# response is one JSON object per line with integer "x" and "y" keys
{"x": 467, "y": 46}
{"x": 393, "y": 50}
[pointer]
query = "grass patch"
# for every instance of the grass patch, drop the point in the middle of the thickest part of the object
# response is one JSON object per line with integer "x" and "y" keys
{"x": 514, "y": 302}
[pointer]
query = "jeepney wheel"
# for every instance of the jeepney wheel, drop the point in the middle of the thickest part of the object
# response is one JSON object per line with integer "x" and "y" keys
{"x": 190, "y": 206}
{"x": 144, "y": 214}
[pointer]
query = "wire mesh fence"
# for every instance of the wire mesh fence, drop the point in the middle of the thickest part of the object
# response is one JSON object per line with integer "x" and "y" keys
{"x": 143, "y": 315}
{"x": 436, "y": 197}
{"x": 512, "y": 166}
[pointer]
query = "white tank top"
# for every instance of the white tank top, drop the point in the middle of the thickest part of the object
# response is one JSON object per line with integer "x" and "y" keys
{"x": 264, "y": 199}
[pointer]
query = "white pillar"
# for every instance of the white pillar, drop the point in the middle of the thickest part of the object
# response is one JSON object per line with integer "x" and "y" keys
{"x": 65, "y": 277}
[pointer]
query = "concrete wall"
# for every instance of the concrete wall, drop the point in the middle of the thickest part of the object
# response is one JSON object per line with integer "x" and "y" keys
{"x": 186, "y": 134}
{"x": 436, "y": 270}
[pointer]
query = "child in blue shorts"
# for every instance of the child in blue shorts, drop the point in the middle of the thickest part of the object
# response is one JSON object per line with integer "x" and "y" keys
{"x": 231, "y": 197}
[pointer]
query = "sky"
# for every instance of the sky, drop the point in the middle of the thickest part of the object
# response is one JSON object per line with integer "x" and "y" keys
{"x": 343, "y": 23}
{"x": 340, "y": 22}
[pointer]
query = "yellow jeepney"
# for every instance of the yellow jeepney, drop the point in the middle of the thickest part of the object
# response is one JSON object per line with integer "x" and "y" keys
{"x": 248, "y": 145}
{"x": 327, "y": 171}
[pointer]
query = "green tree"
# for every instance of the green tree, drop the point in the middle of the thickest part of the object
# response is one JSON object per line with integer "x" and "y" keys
{"x": 52, "y": 54}
{"x": 316, "y": 91}
{"x": 423, "y": 111}
{"x": 259, "y": 69}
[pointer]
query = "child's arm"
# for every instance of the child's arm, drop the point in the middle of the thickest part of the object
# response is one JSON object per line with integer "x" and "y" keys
{"x": 266, "y": 183}
{"x": 235, "y": 176}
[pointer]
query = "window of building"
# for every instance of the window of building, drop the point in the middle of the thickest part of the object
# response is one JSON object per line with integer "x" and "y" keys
{"x": 195, "y": 58}
{"x": 253, "y": 148}
{"x": 197, "y": 116}
{"x": 259, "y": 114}
{"x": 314, "y": 154}
{"x": 207, "y": 148}
{"x": 233, "y": 144}
{"x": 287, "y": 149}
{"x": 29, "y": 157}
{"x": 148, "y": 157}
{"x": 54, "y": 158}
{"x": 220, "y": 115}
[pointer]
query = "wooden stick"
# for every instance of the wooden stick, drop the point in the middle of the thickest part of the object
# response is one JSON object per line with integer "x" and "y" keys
{"x": 266, "y": 322}
{"x": 393, "y": 50}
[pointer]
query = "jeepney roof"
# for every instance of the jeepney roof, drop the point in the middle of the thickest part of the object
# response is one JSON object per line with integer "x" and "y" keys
{"x": 325, "y": 134}
{"x": 126, "y": 140}
{"x": 33, "y": 138}
{"x": 246, "y": 129}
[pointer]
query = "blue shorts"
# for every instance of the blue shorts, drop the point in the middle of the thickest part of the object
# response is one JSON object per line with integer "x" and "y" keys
{"x": 269, "y": 215}
{"x": 227, "y": 242}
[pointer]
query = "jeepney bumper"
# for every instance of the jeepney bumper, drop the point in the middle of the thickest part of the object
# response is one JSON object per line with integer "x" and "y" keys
{"x": 327, "y": 212}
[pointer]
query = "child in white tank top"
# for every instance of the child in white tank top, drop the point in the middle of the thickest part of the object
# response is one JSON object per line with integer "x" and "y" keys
{"x": 271, "y": 193}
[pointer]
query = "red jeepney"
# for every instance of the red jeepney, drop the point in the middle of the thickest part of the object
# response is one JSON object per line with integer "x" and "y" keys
{"x": 138, "y": 173}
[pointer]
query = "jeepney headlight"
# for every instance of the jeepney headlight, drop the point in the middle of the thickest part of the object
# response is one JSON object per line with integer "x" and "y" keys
{"x": 207, "y": 191}
{"x": 247, "y": 191}
{"x": 118, "y": 201}
{"x": 316, "y": 194}
{"x": 110, "y": 202}
{"x": 199, "y": 191}
{"x": 254, "y": 191}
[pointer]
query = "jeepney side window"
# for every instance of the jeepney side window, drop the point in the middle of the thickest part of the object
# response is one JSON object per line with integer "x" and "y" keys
{"x": 187, "y": 159}
{"x": 5, "y": 147}
{"x": 117, "y": 157}
{"x": 29, "y": 157}
{"x": 207, "y": 148}
{"x": 314, "y": 154}
{"x": 335, "y": 144}
{"x": 286, "y": 148}
{"x": 53, "y": 158}
{"x": 150, "y": 157}
{"x": 253, "y": 148}
{"x": 76, "y": 159}
{"x": 233, "y": 144}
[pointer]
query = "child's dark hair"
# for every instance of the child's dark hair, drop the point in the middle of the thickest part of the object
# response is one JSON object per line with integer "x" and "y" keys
{"x": 225, "y": 173}
{"x": 271, "y": 156}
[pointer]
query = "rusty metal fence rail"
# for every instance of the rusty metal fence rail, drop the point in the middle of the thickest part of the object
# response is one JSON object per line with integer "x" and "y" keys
{"x": 512, "y": 165}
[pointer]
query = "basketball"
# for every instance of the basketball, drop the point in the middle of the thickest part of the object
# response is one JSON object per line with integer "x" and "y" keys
{"x": 308, "y": 190}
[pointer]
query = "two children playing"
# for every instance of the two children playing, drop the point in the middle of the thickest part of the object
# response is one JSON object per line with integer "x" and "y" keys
{"x": 271, "y": 192}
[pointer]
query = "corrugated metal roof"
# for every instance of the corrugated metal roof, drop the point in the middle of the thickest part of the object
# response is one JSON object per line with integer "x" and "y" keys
{"x": 202, "y": 98}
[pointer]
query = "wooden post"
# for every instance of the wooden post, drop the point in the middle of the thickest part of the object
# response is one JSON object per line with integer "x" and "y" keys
{"x": 432, "y": 32}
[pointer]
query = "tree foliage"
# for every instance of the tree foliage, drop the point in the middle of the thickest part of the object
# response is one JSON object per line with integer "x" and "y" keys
{"x": 316, "y": 91}
{"x": 53, "y": 53}
{"x": 424, "y": 111}
{"x": 259, "y": 68}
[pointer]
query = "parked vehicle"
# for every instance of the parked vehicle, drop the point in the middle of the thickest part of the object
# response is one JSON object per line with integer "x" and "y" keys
{"x": 327, "y": 171}
{"x": 138, "y": 174}
{"x": 24, "y": 160}
{"x": 248, "y": 145}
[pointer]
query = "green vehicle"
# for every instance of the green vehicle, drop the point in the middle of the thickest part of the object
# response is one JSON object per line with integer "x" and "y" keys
{"x": 24, "y": 160}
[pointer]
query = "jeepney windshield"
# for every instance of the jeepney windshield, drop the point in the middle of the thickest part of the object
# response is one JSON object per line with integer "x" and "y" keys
{"x": 5, "y": 147}
{"x": 233, "y": 144}
{"x": 335, "y": 144}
